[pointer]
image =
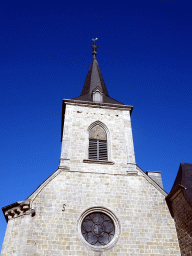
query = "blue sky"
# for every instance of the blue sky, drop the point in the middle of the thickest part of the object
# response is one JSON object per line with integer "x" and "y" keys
{"x": 145, "y": 57}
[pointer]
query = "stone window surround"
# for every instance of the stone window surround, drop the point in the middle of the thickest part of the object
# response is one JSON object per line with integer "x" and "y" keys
{"x": 115, "y": 221}
{"x": 108, "y": 143}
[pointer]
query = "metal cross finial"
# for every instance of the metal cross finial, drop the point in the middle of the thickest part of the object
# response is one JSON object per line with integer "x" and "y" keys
{"x": 94, "y": 47}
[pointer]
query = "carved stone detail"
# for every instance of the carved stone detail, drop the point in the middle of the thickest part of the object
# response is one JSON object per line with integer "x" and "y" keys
{"x": 22, "y": 209}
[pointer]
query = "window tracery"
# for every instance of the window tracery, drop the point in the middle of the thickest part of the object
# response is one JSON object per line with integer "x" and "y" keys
{"x": 98, "y": 229}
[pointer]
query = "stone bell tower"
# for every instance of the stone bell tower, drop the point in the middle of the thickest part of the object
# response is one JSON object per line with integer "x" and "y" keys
{"x": 98, "y": 201}
{"x": 95, "y": 112}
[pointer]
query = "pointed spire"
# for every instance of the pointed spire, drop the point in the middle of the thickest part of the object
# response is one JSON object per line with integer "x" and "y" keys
{"x": 94, "y": 81}
{"x": 94, "y": 77}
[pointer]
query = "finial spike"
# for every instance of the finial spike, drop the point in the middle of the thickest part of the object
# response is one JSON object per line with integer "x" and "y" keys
{"x": 94, "y": 48}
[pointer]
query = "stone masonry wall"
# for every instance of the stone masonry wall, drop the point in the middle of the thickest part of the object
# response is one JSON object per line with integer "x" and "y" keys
{"x": 146, "y": 227}
{"x": 75, "y": 135}
{"x": 182, "y": 213}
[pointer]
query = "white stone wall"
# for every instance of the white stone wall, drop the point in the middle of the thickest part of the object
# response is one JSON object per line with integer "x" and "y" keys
{"x": 146, "y": 227}
{"x": 75, "y": 137}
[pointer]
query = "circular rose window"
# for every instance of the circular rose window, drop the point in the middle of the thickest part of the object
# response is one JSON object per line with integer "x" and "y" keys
{"x": 98, "y": 229}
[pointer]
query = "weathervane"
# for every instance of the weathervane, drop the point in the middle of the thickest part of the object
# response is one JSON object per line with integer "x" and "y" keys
{"x": 94, "y": 47}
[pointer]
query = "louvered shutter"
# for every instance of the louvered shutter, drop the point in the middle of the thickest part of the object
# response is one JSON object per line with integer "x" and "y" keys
{"x": 92, "y": 149}
{"x": 102, "y": 149}
{"x": 97, "y": 149}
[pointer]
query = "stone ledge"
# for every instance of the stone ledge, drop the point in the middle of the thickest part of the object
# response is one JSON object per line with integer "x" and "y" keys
{"x": 132, "y": 173}
{"x": 63, "y": 167}
{"x": 91, "y": 161}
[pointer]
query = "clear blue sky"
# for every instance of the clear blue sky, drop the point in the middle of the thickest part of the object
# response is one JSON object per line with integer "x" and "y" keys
{"x": 145, "y": 57}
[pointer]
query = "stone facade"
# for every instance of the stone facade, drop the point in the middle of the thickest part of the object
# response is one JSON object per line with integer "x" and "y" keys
{"x": 181, "y": 209}
{"x": 144, "y": 225}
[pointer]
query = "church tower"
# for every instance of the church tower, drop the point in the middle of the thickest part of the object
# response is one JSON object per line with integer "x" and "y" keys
{"x": 96, "y": 129}
{"x": 98, "y": 201}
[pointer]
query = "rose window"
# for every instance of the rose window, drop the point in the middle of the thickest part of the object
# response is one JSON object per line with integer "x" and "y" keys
{"x": 98, "y": 229}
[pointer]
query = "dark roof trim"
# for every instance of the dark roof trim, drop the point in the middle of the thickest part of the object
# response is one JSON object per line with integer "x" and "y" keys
{"x": 174, "y": 192}
{"x": 100, "y": 105}
{"x": 184, "y": 178}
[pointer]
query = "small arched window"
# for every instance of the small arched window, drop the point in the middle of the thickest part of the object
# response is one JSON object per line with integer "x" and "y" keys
{"x": 98, "y": 143}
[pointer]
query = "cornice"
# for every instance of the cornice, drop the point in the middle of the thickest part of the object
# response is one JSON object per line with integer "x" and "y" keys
{"x": 18, "y": 209}
{"x": 98, "y": 105}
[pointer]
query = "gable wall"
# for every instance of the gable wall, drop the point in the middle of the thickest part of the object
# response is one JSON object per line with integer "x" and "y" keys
{"x": 146, "y": 227}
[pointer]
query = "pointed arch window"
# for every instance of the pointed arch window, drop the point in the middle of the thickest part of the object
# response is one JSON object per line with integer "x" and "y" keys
{"x": 98, "y": 143}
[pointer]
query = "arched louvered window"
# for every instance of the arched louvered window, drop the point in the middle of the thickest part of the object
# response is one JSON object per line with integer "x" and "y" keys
{"x": 97, "y": 143}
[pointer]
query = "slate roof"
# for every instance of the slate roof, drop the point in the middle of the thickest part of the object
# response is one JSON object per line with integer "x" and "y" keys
{"x": 94, "y": 80}
{"x": 184, "y": 178}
